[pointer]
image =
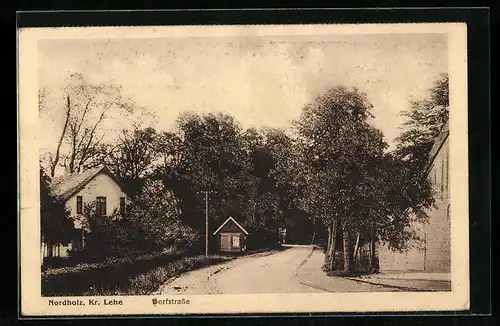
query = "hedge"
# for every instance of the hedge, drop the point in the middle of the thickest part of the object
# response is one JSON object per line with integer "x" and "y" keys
{"x": 111, "y": 273}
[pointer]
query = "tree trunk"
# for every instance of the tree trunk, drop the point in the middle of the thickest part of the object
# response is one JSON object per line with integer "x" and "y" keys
{"x": 331, "y": 248}
{"x": 374, "y": 256}
{"x": 356, "y": 249}
{"x": 328, "y": 241}
{"x": 347, "y": 248}
{"x": 314, "y": 232}
{"x": 373, "y": 259}
{"x": 55, "y": 161}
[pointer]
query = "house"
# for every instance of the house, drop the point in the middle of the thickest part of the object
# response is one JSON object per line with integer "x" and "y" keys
{"x": 97, "y": 185}
{"x": 232, "y": 237}
{"x": 433, "y": 253}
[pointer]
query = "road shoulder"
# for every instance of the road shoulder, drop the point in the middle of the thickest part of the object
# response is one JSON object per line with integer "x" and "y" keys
{"x": 311, "y": 274}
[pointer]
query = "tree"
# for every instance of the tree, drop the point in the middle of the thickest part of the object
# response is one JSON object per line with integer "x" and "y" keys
{"x": 424, "y": 121}
{"x": 151, "y": 223}
{"x": 244, "y": 168}
{"x": 132, "y": 157}
{"x": 407, "y": 188}
{"x": 156, "y": 214}
{"x": 338, "y": 147}
{"x": 203, "y": 154}
{"x": 360, "y": 193}
{"x": 169, "y": 151}
{"x": 56, "y": 226}
{"x": 86, "y": 107}
{"x": 401, "y": 194}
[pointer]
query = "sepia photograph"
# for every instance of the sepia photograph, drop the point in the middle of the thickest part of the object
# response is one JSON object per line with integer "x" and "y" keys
{"x": 178, "y": 165}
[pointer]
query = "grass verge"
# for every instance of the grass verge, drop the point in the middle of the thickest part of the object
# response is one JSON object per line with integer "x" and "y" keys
{"x": 108, "y": 274}
{"x": 150, "y": 281}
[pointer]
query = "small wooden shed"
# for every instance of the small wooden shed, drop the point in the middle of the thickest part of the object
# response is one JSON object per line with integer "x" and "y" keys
{"x": 232, "y": 237}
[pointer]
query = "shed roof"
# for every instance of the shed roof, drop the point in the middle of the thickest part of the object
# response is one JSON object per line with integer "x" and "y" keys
{"x": 66, "y": 186}
{"x": 227, "y": 221}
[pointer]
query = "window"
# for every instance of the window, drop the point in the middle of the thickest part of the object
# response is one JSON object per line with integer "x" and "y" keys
{"x": 79, "y": 204}
{"x": 101, "y": 205}
{"x": 122, "y": 206}
{"x": 236, "y": 241}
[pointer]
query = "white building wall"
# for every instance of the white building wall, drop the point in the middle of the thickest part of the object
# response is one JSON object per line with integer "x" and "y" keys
{"x": 438, "y": 235}
{"x": 102, "y": 185}
{"x": 412, "y": 259}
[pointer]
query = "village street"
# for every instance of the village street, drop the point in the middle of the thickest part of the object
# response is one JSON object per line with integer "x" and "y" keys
{"x": 294, "y": 270}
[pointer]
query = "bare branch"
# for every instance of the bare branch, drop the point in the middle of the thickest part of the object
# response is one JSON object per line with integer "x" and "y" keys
{"x": 55, "y": 161}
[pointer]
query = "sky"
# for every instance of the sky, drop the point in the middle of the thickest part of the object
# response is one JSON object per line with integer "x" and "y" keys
{"x": 260, "y": 80}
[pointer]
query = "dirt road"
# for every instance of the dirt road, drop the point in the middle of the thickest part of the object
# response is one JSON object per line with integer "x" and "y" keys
{"x": 294, "y": 270}
{"x": 270, "y": 272}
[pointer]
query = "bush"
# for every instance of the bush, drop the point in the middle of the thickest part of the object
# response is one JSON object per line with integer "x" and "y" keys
{"x": 108, "y": 274}
{"x": 156, "y": 214}
{"x": 151, "y": 281}
{"x": 110, "y": 237}
{"x": 56, "y": 226}
{"x": 151, "y": 224}
{"x": 263, "y": 239}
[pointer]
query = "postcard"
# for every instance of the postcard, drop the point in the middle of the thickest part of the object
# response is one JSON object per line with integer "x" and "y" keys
{"x": 172, "y": 170}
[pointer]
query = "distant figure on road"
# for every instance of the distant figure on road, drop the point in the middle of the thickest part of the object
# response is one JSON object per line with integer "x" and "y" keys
{"x": 282, "y": 235}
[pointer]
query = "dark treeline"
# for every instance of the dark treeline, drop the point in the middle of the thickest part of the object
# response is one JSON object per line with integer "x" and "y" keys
{"x": 329, "y": 181}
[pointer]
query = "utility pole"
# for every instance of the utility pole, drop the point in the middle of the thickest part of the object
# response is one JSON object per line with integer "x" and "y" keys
{"x": 206, "y": 192}
{"x": 206, "y": 223}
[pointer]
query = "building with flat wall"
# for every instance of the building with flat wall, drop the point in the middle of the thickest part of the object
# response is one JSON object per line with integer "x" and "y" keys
{"x": 433, "y": 253}
{"x": 97, "y": 185}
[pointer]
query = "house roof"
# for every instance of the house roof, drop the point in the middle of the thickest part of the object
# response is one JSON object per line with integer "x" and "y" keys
{"x": 438, "y": 144}
{"x": 227, "y": 221}
{"x": 66, "y": 186}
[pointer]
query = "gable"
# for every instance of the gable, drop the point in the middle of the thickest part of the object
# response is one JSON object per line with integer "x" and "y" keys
{"x": 67, "y": 186}
{"x": 230, "y": 225}
{"x": 101, "y": 185}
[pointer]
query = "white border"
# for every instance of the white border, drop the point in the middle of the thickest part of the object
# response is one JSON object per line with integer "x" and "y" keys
{"x": 32, "y": 304}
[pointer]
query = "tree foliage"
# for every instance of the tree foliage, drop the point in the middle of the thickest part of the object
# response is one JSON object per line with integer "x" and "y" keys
{"x": 247, "y": 171}
{"x": 151, "y": 224}
{"x": 332, "y": 175}
{"x": 132, "y": 157}
{"x": 156, "y": 213}
{"x": 351, "y": 184}
{"x": 340, "y": 151}
{"x": 424, "y": 120}
{"x": 56, "y": 226}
